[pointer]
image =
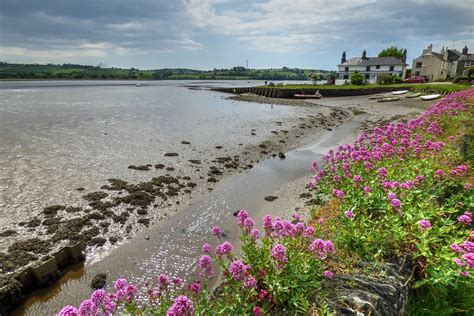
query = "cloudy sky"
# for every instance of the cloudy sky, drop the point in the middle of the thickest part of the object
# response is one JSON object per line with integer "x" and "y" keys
{"x": 206, "y": 34}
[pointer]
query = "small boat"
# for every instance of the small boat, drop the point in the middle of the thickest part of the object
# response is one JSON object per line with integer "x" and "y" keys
{"x": 430, "y": 97}
{"x": 413, "y": 95}
{"x": 399, "y": 92}
{"x": 316, "y": 95}
{"x": 141, "y": 85}
{"x": 376, "y": 97}
{"x": 388, "y": 99}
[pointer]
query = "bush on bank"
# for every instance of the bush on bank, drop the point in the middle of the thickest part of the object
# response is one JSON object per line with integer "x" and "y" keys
{"x": 404, "y": 189}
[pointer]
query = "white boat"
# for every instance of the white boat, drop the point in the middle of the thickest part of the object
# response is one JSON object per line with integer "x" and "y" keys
{"x": 413, "y": 95}
{"x": 430, "y": 97}
{"x": 399, "y": 92}
{"x": 388, "y": 99}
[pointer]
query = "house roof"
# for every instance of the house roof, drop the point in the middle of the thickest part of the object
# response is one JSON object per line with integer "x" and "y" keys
{"x": 467, "y": 57}
{"x": 373, "y": 61}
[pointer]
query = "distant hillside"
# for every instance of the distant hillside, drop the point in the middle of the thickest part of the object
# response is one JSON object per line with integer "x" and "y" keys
{"x": 71, "y": 71}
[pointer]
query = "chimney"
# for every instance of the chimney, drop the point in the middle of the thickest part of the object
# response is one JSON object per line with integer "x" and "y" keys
{"x": 404, "y": 56}
{"x": 343, "y": 59}
{"x": 364, "y": 54}
{"x": 464, "y": 50}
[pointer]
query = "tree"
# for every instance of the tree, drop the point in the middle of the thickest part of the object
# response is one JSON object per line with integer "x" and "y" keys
{"x": 392, "y": 51}
{"x": 357, "y": 78}
{"x": 470, "y": 72}
{"x": 315, "y": 77}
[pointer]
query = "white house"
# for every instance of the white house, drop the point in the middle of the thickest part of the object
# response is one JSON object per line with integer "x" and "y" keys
{"x": 370, "y": 67}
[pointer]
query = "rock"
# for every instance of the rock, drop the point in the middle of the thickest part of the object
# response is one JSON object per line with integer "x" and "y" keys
{"x": 140, "y": 168}
{"x": 370, "y": 295}
{"x": 184, "y": 142}
{"x": 159, "y": 166}
{"x": 99, "y": 281}
{"x": 281, "y": 155}
{"x": 171, "y": 155}
{"x": 270, "y": 198}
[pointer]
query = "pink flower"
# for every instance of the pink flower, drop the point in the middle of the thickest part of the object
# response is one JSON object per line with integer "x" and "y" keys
{"x": 466, "y": 218}
{"x": 358, "y": 178}
{"x": 224, "y": 248}
{"x": 338, "y": 193}
{"x": 328, "y": 274}
{"x": 120, "y": 284}
{"x": 321, "y": 221}
{"x": 217, "y": 231}
{"x": 99, "y": 297}
{"x": 321, "y": 248}
{"x": 69, "y": 311}
{"x": 195, "y": 287}
{"x": 468, "y": 186}
{"x": 455, "y": 248}
{"x": 349, "y": 214}
{"x": 248, "y": 223}
{"x": 395, "y": 203}
{"x": 182, "y": 306}
{"x": 241, "y": 216}
{"x": 238, "y": 270}
{"x": 309, "y": 232}
{"x": 391, "y": 196}
{"x": 255, "y": 234}
{"x": 250, "y": 282}
{"x": 464, "y": 273}
{"x": 177, "y": 281}
{"x": 459, "y": 262}
{"x": 367, "y": 189}
{"x": 257, "y": 311}
{"x": 279, "y": 253}
{"x": 469, "y": 258}
{"x": 206, "y": 248}
{"x": 424, "y": 224}
{"x": 87, "y": 308}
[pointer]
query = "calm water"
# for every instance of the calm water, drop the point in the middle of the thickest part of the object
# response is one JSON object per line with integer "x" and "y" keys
{"x": 56, "y": 136}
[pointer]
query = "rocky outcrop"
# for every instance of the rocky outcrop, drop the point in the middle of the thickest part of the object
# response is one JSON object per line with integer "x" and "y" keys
{"x": 385, "y": 295}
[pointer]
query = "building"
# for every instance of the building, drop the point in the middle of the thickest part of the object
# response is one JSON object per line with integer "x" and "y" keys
{"x": 464, "y": 62}
{"x": 370, "y": 67}
{"x": 445, "y": 65}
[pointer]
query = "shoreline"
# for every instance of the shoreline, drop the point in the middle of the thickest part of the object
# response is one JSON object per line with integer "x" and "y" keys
{"x": 177, "y": 192}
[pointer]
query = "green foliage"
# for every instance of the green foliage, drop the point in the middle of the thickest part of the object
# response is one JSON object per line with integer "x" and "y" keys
{"x": 315, "y": 77}
{"x": 397, "y": 79}
{"x": 392, "y": 51}
{"x": 357, "y": 78}
{"x": 470, "y": 72}
{"x": 385, "y": 79}
{"x": 70, "y": 71}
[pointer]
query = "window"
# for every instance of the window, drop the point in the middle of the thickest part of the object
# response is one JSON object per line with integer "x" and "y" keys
{"x": 367, "y": 76}
{"x": 392, "y": 68}
{"x": 346, "y": 77}
{"x": 367, "y": 68}
{"x": 418, "y": 65}
{"x": 377, "y": 67}
{"x": 346, "y": 68}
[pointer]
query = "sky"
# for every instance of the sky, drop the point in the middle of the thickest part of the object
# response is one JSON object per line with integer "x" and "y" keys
{"x": 207, "y": 34}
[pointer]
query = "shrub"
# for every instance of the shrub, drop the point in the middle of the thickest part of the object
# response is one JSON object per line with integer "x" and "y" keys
{"x": 385, "y": 79}
{"x": 357, "y": 79}
{"x": 397, "y": 79}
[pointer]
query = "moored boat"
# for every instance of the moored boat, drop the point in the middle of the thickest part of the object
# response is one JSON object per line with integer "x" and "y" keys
{"x": 413, "y": 95}
{"x": 388, "y": 99}
{"x": 399, "y": 92}
{"x": 316, "y": 95}
{"x": 376, "y": 97}
{"x": 430, "y": 97}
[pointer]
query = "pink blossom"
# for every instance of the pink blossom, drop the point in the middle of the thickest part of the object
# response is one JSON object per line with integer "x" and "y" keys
{"x": 120, "y": 284}
{"x": 68, "y": 311}
{"x": 466, "y": 218}
{"x": 250, "y": 282}
{"x": 367, "y": 189}
{"x": 255, "y": 234}
{"x": 321, "y": 248}
{"x": 217, "y": 231}
{"x": 206, "y": 248}
{"x": 424, "y": 224}
{"x": 464, "y": 273}
{"x": 241, "y": 216}
{"x": 87, "y": 307}
{"x": 177, "y": 281}
{"x": 279, "y": 253}
{"x": 224, "y": 248}
{"x": 248, "y": 223}
{"x": 338, "y": 193}
{"x": 257, "y": 311}
{"x": 309, "y": 232}
{"x": 195, "y": 287}
{"x": 182, "y": 306}
{"x": 238, "y": 270}
{"x": 395, "y": 203}
{"x": 349, "y": 214}
{"x": 455, "y": 248}
{"x": 99, "y": 297}
{"x": 358, "y": 178}
{"x": 328, "y": 274}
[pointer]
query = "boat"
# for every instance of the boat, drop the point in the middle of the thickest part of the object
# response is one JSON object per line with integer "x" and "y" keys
{"x": 399, "y": 92}
{"x": 413, "y": 95}
{"x": 141, "y": 85}
{"x": 430, "y": 97}
{"x": 376, "y": 97}
{"x": 316, "y": 95}
{"x": 388, "y": 99}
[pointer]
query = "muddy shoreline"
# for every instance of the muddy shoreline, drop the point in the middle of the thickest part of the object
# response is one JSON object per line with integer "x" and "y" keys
{"x": 115, "y": 212}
